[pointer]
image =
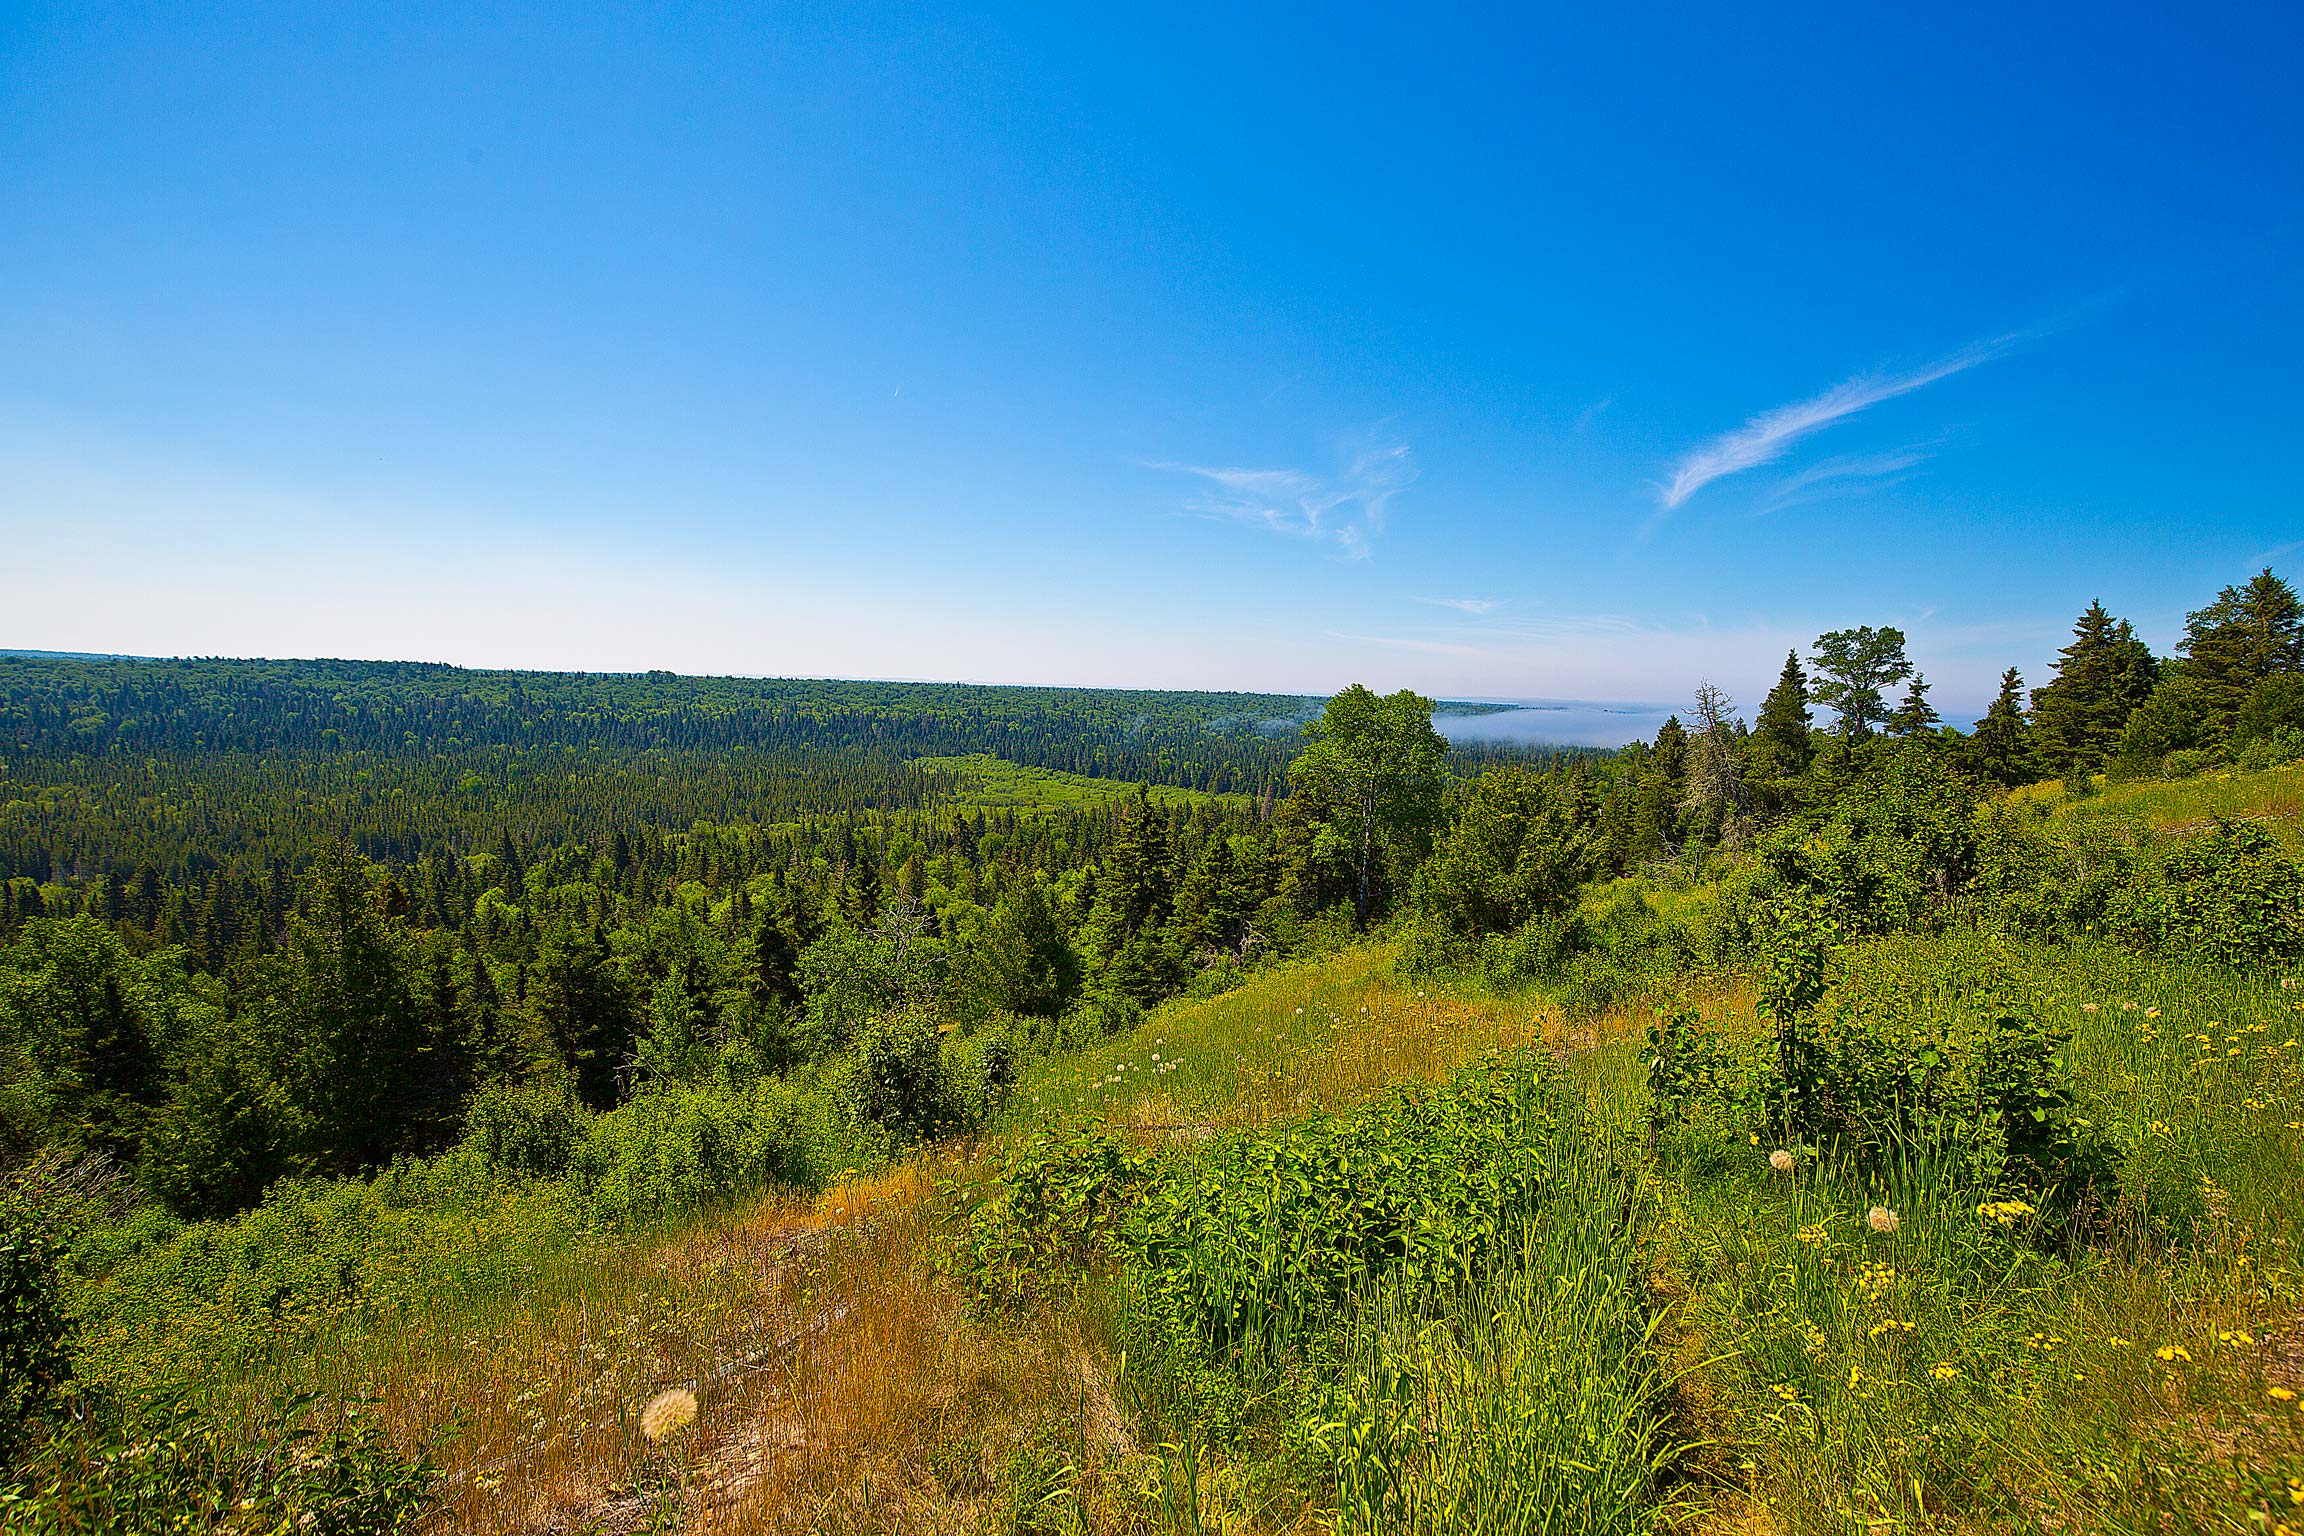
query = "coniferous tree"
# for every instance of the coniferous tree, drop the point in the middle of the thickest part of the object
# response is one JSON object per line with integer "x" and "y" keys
{"x": 1914, "y": 715}
{"x": 2247, "y": 635}
{"x": 2100, "y": 678}
{"x": 1781, "y": 737}
{"x": 2001, "y": 743}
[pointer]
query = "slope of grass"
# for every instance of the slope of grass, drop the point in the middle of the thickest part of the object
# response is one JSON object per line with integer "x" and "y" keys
{"x": 980, "y": 781}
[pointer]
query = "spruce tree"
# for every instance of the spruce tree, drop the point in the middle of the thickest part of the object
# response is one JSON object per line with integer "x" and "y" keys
{"x": 2002, "y": 740}
{"x": 1782, "y": 735}
{"x": 2100, "y": 677}
{"x": 2248, "y": 634}
{"x": 1914, "y": 714}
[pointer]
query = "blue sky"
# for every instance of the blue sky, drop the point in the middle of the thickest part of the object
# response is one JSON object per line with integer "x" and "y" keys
{"x": 1574, "y": 353}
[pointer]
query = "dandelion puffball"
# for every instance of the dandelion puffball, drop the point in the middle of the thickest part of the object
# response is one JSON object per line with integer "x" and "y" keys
{"x": 668, "y": 1412}
{"x": 1780, "y": 1160}
{"x": 1882, "y": 1219}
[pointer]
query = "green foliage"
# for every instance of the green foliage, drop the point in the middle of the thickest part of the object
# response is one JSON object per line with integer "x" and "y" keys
{"x": 1514, "y": 855}
{"x": 2103, "y": 675}
{"x": 1434, "y": 1301}
{"x": 895, "y": 1079}
{"x": 1372, "y": 764}
{"x": 34, "y": 1331}
{"x": 1852, "y": 666}
{"x": 167, "y": 1467}
{"x": 2232, "y": 894}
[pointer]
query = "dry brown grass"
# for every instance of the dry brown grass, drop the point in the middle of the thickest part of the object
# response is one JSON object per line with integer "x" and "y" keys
{"x": 843, "y": 1384}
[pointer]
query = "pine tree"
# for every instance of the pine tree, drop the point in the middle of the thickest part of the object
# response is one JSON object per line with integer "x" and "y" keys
{"x": 1914, "y": 714}
{"x": 2002, "y": 742}
{"x": 2247, "y": 635}
{"x": 2100, "y": 677}
{"x": 1781, "y": 737}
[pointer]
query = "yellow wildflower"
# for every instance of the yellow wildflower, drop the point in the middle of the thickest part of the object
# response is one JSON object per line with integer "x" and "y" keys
{"x": 2174, "y": 1352}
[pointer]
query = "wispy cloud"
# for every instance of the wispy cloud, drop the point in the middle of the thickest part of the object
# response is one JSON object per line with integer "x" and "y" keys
{"x": 1767, "y": 437}
{"x": 1476, "y": 606}
{"x": 1845, "y": 472}
{"x": 1346, "y": 508}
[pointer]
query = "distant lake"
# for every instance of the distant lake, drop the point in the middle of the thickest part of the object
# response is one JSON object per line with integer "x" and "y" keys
{"x": 1557, "y": 722}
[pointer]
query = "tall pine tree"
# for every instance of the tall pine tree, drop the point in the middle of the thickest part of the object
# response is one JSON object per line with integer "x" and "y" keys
{"x": 2100, "y": 677}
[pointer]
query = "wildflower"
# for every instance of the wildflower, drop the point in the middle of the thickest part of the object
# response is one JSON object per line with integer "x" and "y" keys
{"x": 1881, "y": 1219}
{"x": 1780, "y": 1160}
{"x": 668, "y": 1412}
{"x": 2118, "y": 1342}
{"x": 1815, "y": 1235}
{"x": 2151, "y": 1013}
{"x": 1786, "y": 1391}
{"x": 2280, "y": 1394}
{"x": 1944, "y": 1370}
{"x": 2004, "y": 1212}
{"x": 2171, "y": 1352}
{"x": 2239, "y": 1336}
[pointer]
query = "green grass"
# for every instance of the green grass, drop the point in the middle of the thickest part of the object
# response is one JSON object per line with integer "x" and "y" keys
{"x": 982, "y": 782}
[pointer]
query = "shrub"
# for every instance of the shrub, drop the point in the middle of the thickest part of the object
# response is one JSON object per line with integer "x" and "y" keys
{"x": 2230, "y": 895}
{"x": 683, "y": 1148}
{"x": 1913, "y": 1050}
{"x": 895, "y": 1080}
{"x": 170, "y": 1468}
{"x": 531, "y": 1132}
{"x": 33, "y": 1329}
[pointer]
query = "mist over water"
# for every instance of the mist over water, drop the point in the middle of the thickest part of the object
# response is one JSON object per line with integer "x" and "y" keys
{"x": 1558, "y": 722}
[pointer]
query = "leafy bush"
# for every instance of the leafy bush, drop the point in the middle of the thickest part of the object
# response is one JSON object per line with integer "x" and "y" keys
{"x": 894, "y": 1079}
{"x": 682, "y": 1148}
{"x": 530, "y": 1132}
{"x": 2230, "y": 895}
{"x": 1913, "y": 1050}
{"x": 33, "y": 1329}
{"x": 170, "y": 1468}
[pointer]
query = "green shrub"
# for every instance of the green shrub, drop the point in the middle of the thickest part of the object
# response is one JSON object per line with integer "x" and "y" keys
{"x": 530, "y": 1132}
{"x": 168, "y": 1468}
{"x": 683, "y": 1148}
{"x": 33, "y": 1329}
{"x": 894, "y": 1079}
{"x": 2230, "y": 895}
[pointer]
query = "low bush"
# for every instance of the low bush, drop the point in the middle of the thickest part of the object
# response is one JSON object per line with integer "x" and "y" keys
{"x": 2231, "y": 894}
{"x": 171, "y": 1468}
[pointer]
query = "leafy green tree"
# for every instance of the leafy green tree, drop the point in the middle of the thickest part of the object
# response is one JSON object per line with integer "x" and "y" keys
{"x": 2247, "y": 635}
{"x": 2173, "y": 718}
{"x": 1376, "y": 762}
{"x": 1780, "y": 737}
{"x": 2100, "y": 678}
{"x": 1852, "y": 666}
{"x": 2001, "y": 743}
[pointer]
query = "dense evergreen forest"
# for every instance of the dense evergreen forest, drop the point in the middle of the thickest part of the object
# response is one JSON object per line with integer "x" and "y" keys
{"x": 263, "y": 924}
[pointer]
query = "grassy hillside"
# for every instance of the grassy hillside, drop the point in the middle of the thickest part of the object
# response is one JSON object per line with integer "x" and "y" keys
{"x": 1345, "y": 1249}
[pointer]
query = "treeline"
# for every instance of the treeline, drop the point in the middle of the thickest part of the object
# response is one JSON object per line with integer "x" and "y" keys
{"x": 1868, "y": 824}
